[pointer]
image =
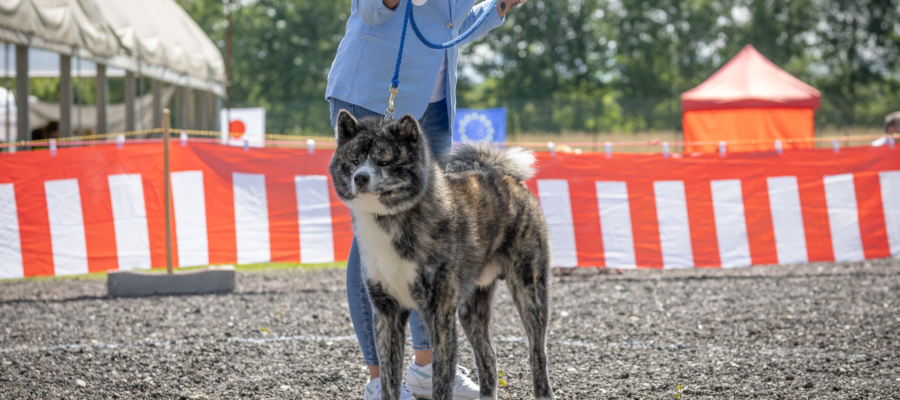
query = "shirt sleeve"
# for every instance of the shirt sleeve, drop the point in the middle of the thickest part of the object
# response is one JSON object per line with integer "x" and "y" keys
{"x": 493, "y": 20}
{"x": 373, "y": 12}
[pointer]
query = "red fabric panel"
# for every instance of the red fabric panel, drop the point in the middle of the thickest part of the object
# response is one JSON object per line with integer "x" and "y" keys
{"x": 284, "y": 231}
{"x": 34, "y": 228}
{"x": 644, "y": 224}
{"x": 99, "y": 229}
{"x": 762, "y": 124}
{"x": 815, "y": 218}
{"x": 758, "y": 215}
{"x": 704, "y": 243}
{"x": 586, "y": 221}
{"x": 341, "y": 225}
{"x": 871, "y": 215}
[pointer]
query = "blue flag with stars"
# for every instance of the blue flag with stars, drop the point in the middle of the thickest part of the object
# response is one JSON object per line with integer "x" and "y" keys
{"x": 480, "y": 125}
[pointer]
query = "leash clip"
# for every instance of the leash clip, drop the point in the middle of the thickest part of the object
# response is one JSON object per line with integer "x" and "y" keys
{"x": 389, "y": 113}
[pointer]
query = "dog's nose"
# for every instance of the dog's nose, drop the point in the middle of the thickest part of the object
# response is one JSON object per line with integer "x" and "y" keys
{"x": 361, "y": 179}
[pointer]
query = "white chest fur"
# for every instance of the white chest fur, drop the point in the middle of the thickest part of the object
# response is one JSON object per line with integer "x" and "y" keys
{"x": 380, "y": 262}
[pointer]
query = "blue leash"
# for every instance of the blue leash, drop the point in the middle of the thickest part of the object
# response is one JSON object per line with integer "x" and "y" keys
{"x": 410, "y": 19}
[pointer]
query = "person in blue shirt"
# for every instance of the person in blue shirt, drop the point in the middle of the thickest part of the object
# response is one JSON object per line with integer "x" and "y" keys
{"x": 358, "y": 82}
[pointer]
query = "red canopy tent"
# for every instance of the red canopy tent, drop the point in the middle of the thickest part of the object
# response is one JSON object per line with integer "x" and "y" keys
{"x": 749, "y": 98}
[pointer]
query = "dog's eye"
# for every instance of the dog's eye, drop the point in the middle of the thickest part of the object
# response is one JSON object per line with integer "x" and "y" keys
{"x": 382, "y": 163}
{"x": 355, "y": 162}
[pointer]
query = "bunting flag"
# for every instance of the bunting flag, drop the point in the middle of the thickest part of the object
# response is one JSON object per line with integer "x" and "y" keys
{"x": 100, "y": 208}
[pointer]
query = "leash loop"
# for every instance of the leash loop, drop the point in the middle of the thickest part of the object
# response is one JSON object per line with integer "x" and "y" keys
{"x": 408, "y": 19}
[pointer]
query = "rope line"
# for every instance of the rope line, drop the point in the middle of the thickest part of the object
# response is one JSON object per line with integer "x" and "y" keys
{"x": 280, "y": 140}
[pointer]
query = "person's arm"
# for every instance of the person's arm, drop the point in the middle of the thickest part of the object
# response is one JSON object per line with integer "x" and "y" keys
{"x": 376, "y": 12}
{"x": 494, "y": 20}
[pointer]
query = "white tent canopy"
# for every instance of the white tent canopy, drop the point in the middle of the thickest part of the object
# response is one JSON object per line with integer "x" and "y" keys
{"x": 155, "y": 38}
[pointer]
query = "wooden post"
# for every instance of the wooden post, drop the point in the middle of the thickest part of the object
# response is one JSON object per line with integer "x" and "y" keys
{"x": 165, "y": 125}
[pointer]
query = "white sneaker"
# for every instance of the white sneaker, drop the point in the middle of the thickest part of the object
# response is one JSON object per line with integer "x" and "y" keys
{"x": 418, "y": 380}
{"x": 373, "y": 391}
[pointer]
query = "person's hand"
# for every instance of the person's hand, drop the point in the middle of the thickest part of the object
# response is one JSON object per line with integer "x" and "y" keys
{"x": 505, "y": 6}
{"x": 392, "y": 4}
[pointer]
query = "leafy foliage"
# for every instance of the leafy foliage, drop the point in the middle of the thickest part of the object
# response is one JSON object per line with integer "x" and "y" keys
{"x": 282, "y": 51}
{"x": 587, "y": 65}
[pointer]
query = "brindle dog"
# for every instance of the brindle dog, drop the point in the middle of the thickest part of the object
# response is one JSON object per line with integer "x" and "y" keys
{"x": 439, "y": 241}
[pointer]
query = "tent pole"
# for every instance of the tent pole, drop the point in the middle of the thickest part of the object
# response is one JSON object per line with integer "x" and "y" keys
{"x": 228, "y": 68}
{"x": 80, "y": 98}
{"x": 102, "y": 98}
{"x": 65, "y": 95}
{"x": 6, "y": 69}
{"x": 23, "y": 89}
{"x": 129, "y": 101}
{"x": 156, "y": 88}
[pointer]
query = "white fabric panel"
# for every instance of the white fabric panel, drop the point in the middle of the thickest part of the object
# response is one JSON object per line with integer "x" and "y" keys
{"x": 615, "y": 224}
{"x": 787, "y": 220}
{"x": 674, "y": 230}
{"x": 66, "y": 227}
{"x": 557, "y": 208}
{"x": 126, "y": 193}
{"x": 890, "y": 200}
{"x": 314, "y": 214}
{"x": 731, "y": 226}
{"x": 10, "y": 243}
{"x": 189, "y": 203}
{"x": 843, "y": 218}
{"x": 251, "y": 218}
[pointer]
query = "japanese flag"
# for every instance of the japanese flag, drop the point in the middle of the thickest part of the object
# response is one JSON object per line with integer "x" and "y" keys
{"x": 245, "y": 123}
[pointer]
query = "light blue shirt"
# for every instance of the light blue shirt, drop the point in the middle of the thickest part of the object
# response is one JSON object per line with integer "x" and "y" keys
{"x": 366, "y": 58}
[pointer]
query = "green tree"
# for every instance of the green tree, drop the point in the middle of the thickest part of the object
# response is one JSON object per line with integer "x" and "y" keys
{"x": 282, "y": 52}
{"x": 859, "y": 43}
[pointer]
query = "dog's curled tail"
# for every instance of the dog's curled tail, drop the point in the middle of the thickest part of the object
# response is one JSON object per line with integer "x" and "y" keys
{"x": 515, "y": 162}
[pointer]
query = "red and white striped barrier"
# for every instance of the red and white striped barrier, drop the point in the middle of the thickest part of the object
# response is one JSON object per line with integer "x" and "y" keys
{"x": 101, "y": 208}
{"x": 708, "y": 211}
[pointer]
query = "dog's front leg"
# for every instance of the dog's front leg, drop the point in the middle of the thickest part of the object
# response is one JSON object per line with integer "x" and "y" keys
{"x": 390, "y": 334}
{"x": 441, "y": 321}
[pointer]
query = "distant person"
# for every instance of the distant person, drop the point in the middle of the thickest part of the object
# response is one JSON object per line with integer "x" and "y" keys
{"x": 892, "y": 122}
{"x": 358, "y": 82}
{"x": 49, "y": 131}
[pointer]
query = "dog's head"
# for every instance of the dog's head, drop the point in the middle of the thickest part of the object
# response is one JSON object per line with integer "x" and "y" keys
{"x": 380, "y": 168}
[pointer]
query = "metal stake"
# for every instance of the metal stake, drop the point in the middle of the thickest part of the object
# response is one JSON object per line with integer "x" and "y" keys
{"x": 165, "y": 124}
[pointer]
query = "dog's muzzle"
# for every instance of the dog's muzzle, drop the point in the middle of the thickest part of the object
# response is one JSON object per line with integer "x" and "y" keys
{"x": 360, "y": 182}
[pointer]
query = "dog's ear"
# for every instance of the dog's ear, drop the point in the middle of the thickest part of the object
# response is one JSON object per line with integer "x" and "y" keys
{"x": 346, "y": 127}
{"x": 407, "y": 130}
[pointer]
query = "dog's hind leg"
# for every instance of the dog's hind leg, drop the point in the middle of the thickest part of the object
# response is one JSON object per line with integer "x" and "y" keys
{"x": 475, "y": 317}
{"x": 390, "y": 336}
{"x": 528, "y": 285}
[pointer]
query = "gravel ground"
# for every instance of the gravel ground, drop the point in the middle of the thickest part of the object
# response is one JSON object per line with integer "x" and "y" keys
{"x": 806, "y": 331}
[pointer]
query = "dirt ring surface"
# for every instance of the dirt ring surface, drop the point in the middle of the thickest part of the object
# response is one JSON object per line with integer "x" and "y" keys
{"x": 805, "y": 331}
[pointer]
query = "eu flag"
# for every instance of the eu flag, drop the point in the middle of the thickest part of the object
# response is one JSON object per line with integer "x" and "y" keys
{"x": 480, "y": 125}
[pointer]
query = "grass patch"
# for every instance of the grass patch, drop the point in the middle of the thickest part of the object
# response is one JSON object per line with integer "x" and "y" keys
{"x": 238, "y": 268}
{"x": 283, "y": 266}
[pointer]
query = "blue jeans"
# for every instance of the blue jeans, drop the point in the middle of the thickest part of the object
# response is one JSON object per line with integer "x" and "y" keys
{"x": 436, "y": 126}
